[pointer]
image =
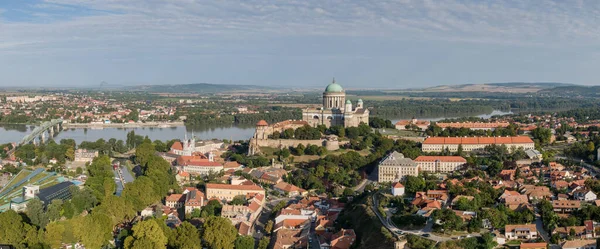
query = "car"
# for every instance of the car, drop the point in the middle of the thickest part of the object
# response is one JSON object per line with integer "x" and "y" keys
{"x": 469, "y": 236}
{"x": 426, "y": 235}
{"x": 400, "y": 232}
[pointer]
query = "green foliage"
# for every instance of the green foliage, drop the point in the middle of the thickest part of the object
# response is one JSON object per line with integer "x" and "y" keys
{"x": 238, "y": 200}
{"x": 139, "y": 193}
{"x": 219, "y": 233}
{"x": 244, "y": 242}
{"x": 542, "y": 135}
{"x": 100, "y": 179}
{"x": 35, "y": 212}
{"x": 416, "y": 242}
{"x": 264, "y": 243}
{"x": 212, "y": 208}
{"x": 186, "y": 237}
{"x": 413, "y": 184}
{"x": 146, "y": 234}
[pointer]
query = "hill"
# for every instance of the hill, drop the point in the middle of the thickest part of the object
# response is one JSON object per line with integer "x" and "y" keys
{"x": 507, "y": 87}
{"x": 572, "y": 91}
{"x": 201, "y": 88}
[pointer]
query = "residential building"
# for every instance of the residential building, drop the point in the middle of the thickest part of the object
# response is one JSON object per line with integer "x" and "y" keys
{"x": 440, "y": 164}
{"x": 190, "y": 199}
{"x": 576, "y": 231}
{"x": 580, "y": 244}
{"x": 584, "y": 194}
{"x": 289, "y": 189}
{"x": 395, "y": 167}
{"x": 397, "y": 189}
{"x": 228, "y": 192}
{"x": 474, "y": 125}
{"x": 85, "y": 156}
{"x": 420, "y": 124}
{"x": 520, "y": 232}
{"x": 535, "y": 245}
{"x": 566, "y": 206}
{"x": 439, "y": 144}
{"x": 343, "y": 239}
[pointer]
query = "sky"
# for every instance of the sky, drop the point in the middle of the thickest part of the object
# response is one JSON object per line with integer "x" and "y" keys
{"x": 298, "y": 43}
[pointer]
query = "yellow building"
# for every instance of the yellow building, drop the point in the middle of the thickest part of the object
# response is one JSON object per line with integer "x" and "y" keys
{"x": 228, "y": 192}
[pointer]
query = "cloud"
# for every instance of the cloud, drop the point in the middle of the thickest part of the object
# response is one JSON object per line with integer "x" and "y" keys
{"x": 164, "y": 23}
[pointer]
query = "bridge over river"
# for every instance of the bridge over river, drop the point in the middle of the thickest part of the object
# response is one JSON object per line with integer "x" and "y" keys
{"x": 52, "y": 128}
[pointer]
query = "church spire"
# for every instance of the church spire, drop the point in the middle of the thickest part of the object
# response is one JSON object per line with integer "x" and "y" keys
{"x": 333, "y": 82}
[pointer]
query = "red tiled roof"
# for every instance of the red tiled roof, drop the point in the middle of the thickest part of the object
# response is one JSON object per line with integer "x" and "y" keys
{"x": 177, "y": 146}
{"x": 478, "y": 140}
{"x": 440, "y": 158}
{"x": 262, "y": 123}
{"x": 236, "y": 187}
{"x": 473, "y": 125}
{"x": 398, "y": 185}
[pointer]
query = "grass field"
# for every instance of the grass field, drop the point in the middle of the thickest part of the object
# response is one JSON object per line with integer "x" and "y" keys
{"x": 400, "y": 133}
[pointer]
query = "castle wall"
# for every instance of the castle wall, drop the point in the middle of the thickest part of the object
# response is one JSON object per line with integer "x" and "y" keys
{"x": 255, "y": 144}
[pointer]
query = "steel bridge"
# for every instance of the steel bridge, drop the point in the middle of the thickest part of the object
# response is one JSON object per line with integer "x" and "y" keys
{"x": 51, "y": 127}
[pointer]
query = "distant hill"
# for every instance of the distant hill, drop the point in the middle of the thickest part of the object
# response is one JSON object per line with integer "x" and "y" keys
{"x": 198, "y": 88}
{"x": 572, "y": 91}
{"x": 508, "y": 87}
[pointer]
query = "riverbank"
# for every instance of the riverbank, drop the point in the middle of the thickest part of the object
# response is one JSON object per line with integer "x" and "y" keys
{"x": 123, "y": 125}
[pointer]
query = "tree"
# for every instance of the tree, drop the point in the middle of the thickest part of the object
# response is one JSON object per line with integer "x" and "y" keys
{"x": 146, "y": 234}
{"x": 264, "y": 243}
{"x": 53, "y": 210}
{"x": 187, "y": 237}
{"x": 139, "y": 193}
{"x": 94, "y": 230}
{"x": 12, "y": 228}
{"x": 35, "y": 212}
{"x": 269, "y": 227}
{"x": 244, "y": 242}
{"x": 238, "y": 200}
{"x": 70, "y": 154}
{"x": 53, "y": 235}
{"x": 212, "y": 208}
{"x": 219, "y": 233}
{"x": 488, "y": 241}
{"x": 542, "y": 135}
{"x": 414, "y": 184}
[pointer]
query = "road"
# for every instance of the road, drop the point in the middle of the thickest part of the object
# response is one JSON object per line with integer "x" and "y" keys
{"x": 361, "y": 186}
{"x": 394, "y": 230}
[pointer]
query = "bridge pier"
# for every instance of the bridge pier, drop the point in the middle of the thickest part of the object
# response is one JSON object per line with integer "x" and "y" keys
{"x": 43, "y": 137}
{"x": 51, "y": 131}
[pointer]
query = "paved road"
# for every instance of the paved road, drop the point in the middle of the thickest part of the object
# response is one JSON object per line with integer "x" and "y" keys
{"x": 390, "y": 225}
{"x": 361, "y": 186}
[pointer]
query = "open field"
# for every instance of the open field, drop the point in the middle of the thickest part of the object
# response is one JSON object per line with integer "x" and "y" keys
{"x": 401, "y": 97}
{"x": 295, "y": 105}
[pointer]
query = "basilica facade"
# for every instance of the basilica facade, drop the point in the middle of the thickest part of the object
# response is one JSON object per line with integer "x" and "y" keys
{"x": 336, "y": 110}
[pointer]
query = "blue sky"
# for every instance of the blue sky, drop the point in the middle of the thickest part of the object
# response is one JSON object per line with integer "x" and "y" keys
{"x": 299, "y": 43}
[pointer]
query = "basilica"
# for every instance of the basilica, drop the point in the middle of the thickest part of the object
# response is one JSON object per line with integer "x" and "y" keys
{"x": 336, "y": 110}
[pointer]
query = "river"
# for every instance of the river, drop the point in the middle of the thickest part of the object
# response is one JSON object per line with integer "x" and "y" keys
{"x": 14, "y": 133}
{"x": 485, "y": 116}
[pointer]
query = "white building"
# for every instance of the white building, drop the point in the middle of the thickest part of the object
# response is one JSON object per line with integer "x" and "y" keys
{"x": 439, "y": 144}
{"x": 520, "y": 232}
{"x": 395, "y": 167}
{"x": 440, "y": 164}
{"x": 397, "y": 189}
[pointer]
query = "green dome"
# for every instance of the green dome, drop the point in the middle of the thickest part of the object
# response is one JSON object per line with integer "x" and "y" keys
{"x": 334, "y": 88}
{"x": 348, "y": 102}
{"x": 359, "y": 100}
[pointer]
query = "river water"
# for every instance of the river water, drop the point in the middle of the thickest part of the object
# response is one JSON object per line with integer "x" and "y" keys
{"x": 14, "y": 133}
